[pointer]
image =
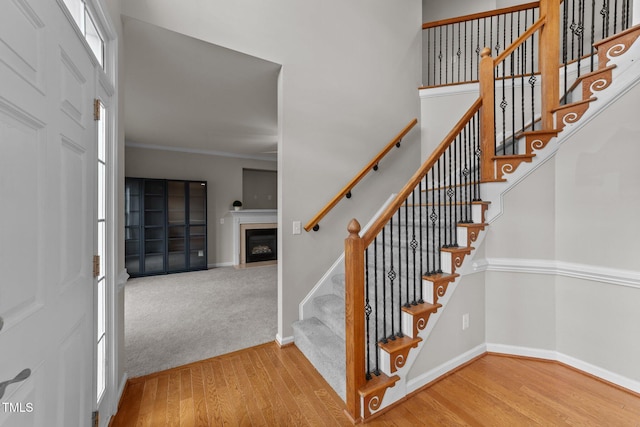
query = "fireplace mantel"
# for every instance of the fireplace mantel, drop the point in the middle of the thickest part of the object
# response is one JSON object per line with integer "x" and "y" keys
{"x": 249, "y": 216}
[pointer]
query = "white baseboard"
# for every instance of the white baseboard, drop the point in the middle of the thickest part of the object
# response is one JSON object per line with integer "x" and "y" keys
{"x": 284, "y": 341}
{"x": 513, "y": 350}
{"x": 424, "y": 379}
{"x": 220, "y": 264}
{"x": 604, "y": 374}
{"x": 581, "y": 365}
{"x": 617, "y": 379}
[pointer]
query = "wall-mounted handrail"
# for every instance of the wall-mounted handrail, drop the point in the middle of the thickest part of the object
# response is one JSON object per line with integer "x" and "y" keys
{"x": 313, "y": 224}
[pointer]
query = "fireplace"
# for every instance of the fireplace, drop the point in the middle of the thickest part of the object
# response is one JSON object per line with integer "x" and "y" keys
{"x": 261, "y": 244}
{"x": 249, "y": 219}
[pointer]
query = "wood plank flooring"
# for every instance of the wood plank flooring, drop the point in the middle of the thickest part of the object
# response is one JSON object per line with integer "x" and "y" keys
{"x": 271, "y": 386}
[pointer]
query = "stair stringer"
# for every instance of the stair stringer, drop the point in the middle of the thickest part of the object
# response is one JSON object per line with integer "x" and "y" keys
{"x": 625, "y": 76}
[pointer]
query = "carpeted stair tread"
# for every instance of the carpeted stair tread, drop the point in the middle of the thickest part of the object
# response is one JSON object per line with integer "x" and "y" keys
{"x": 325, "y": 350}
{"x": 338, "y": 281}
{"x": 331, "y": 313}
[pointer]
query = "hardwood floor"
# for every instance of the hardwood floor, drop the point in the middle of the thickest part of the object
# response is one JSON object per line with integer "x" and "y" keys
{"x": 271, "y": 386}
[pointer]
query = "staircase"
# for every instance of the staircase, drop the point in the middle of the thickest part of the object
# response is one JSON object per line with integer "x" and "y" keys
{"x": 445, "y": 210}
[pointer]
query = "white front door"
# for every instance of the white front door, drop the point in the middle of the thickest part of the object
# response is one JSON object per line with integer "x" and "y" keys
{"x": 47, "y": 210}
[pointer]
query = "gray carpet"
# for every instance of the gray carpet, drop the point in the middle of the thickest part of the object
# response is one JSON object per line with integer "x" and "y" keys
{"x": 182, "y": 318}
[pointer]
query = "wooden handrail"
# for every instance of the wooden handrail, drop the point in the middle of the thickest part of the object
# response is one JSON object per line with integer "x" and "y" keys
{"x": 391, "y": 209}
{"x": 481, "y": 15}
{"x": 346, "y": 191}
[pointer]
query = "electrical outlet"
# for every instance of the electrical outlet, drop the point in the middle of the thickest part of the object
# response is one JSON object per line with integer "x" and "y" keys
{"x": 465, "y": 321}
{"x": 296, "y": 227}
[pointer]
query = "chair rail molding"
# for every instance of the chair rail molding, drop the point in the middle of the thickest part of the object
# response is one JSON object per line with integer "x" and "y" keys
{"x": 613, "y": 276}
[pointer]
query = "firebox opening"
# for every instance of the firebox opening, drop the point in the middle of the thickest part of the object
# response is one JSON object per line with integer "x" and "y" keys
{"x": 261, "y": 244}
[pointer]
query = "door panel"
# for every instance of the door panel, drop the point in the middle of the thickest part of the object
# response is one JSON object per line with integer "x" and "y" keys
{"x": 47, "y": 189}
{"x": 22, "y": 141}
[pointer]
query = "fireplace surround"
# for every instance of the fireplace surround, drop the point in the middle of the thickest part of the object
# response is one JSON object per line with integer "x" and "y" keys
{"x": 252, "y": 219}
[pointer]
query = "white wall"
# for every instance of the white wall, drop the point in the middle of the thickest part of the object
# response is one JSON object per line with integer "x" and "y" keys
{"x": 350, "y": 72}
{"x": 575, "y": 217}
{"x": 441, "y": 109}
{"x": 435, "y": 10}
{"x": 447, "y": 340}
{"x": 597, "y": 205}
{"x": 224, "y": 185}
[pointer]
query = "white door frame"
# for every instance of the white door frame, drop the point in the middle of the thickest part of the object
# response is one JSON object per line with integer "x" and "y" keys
{"x": 108, "y": 82}
{"x": 107, "y": 86}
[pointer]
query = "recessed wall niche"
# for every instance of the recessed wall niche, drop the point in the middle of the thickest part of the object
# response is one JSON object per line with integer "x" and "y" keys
{"x": 259, "y": 189}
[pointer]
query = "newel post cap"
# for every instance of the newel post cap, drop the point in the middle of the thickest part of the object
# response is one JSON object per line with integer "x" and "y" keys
{"x": 353, "y": 227}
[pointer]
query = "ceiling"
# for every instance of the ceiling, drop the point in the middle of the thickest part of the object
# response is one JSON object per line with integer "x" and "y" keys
{"x": 184, "y": 94}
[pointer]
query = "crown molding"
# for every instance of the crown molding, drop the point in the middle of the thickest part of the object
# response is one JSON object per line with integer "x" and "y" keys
{"x": 267, "y": 158}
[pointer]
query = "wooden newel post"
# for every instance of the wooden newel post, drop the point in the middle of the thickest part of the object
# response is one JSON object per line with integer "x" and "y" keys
{"x": 354, "y": 317}
{"x": 549, "y": 54}
{"x": 487, "y": 130}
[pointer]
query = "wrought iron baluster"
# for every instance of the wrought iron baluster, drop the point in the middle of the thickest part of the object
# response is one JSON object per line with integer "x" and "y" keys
{"x": 400, "y": 246}
{"x": 444, "y": 186}
{"x": 446, "y": 54}
{"x": 593, "y": 30}
{"x": 458, "y": 53}
{"x": 532, "y": 83}
{"x": 420, "y": 239}
{"x": 477, "y": 153}
{"x": 456, "y": 170}
{"x": 407, "y": 245}
{"x": 565, "y": 59}
{"x": 414, "y": 245}
{"x": 523, "y": 70}
{"x": 392, "y": 277}
{"x": 465, "y": 177}
{"x": 478, "y": 48}
{"x": 367, "y": 312}
{"x": 440, "y": 55}
{"x": 442, "y": 222}
{"x": 604, "y": 12}
{"x": 580, "y": 33}
{"x": 384, "y": 286}
{"x": 376, "y": 304}
{"x": 433, "y": 217}
{"x": 465, "y": 56}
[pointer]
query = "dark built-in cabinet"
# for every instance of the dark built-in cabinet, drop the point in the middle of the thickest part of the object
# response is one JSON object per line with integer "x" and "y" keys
{"x": 165, "y": 226}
